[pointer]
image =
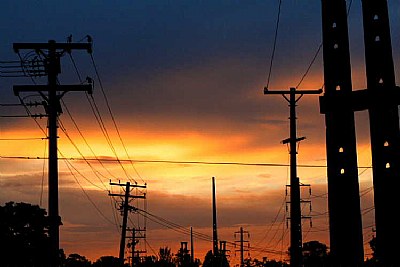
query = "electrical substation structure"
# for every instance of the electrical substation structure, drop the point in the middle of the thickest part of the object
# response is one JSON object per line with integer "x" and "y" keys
{"x": 51, "y": 94}
{"x": 339, "y": 102}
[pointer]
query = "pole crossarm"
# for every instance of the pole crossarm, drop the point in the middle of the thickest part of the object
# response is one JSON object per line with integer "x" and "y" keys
{"x": 131, "y": 185}
{"x": 53, "y": 45}
{"x": 291, "y": 91}
{"x": 64, "y": 88}
{"x": 130, "y": 196}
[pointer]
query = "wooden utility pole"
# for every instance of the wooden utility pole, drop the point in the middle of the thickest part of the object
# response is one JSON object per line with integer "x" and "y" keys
{"x": 125, "y": 208}
{"x": 296, "y": 243}
{"x": 52, "y": 93}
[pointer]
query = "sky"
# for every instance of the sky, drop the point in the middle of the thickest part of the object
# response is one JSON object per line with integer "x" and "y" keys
{"x": 184, "y": 81}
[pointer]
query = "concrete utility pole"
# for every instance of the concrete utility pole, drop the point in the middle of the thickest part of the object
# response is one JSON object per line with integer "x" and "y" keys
{"x": 383, "y": 102}
{"x": 296, "y": 242}
{"x": 241, "y": 242}
{"x": 381, "y": 99}
{"x": 52, "y": 52}
{"x": 125, "y": 208}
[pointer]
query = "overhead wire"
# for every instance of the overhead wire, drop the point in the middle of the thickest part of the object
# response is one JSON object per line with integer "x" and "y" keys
{"x": 97, "y": 173}
{"x": 96, "y": 116}
{"x": 274, "y": 43}
{"x": 68, "y": 164}
{"x": 111, "y": 114}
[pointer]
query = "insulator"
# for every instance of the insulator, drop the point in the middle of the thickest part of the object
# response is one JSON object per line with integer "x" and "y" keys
{"x": 309, "y": 190}
{"x": 287, "y": 224}
{"x": 311, "y": 223}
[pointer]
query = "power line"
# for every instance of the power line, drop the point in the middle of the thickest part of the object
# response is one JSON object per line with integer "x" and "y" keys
{"x": 68, "y": 164}
{"x": 180, "y": 162}
{"x": 275, "y": 41}
{"x": 111, "y": 114}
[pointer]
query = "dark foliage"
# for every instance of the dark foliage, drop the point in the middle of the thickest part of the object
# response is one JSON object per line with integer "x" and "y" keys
{"x": 23, "y": 229}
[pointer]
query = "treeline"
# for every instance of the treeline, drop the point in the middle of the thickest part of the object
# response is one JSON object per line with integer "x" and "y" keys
{"x": 24, "y": 242}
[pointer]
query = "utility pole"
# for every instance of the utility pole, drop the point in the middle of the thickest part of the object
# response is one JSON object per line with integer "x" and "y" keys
{"x": 296, "y": 242}
{"x": 191, "y": 246}
{"x": 135, "y": 240}
{"x": 241, "y": 242}
{"x": 338, "y": 106}
{"x": 51, "y": 94}
{"x": 215, "y": 235}
{"x": 125, "y": 208}
{"x": 383, "y": 102}
{"x": 222, "y": 249}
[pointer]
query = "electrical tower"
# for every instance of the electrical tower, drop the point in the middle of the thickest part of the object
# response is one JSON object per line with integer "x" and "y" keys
{"x": 241, "y": 242}
{"x": 125, "y": 208}
{"x": 51, "y": 94}
{"x": 296, "y": 242}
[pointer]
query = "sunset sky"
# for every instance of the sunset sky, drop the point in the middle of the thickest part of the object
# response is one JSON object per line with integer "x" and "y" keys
{"x": 184, "y": 80}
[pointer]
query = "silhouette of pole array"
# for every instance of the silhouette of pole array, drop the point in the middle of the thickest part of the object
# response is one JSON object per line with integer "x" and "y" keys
{"x": 295, "y": 204}
{"x": 52, "y": 53}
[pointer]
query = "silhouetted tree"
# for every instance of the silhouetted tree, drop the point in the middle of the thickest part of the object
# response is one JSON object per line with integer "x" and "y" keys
{"x": 182, "y": 258}
{"x": 211, "y": 261}
{"x": 165, "y": 258}
{"x": 23, "y": 231}
{"x": 108, "y": 261}
{"x": 372, "y": 262}
{"x": 148, "y": 261}
{"x": 264, "y": 263}
{"x": 76, "y": 260}
{"x": 315, "y": 254}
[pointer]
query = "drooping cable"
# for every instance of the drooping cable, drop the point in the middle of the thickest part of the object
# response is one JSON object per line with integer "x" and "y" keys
{"x": 274, "y": 44}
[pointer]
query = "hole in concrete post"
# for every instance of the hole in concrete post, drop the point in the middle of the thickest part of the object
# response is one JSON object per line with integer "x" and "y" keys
{"x": 337, "y": 87}
{"x": 340, "y": 149}
{"x": 386, "y": 143}
{"x": 342, "y": 171}
{"x": 335, "y": 46}
{"x": 380, "y": 81}
{"x": 334, "y": 25}
{"x": 376, "y": 17}
{"x": 377, "y": 38}
{"x": 387, "y": 165}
